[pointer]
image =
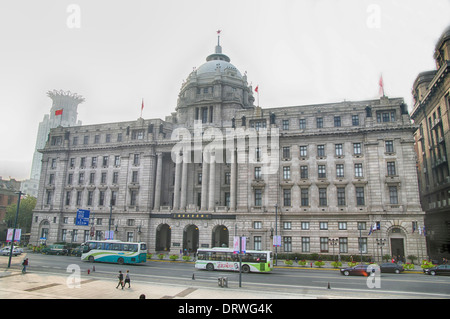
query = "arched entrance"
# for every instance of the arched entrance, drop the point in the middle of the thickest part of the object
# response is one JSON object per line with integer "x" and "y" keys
{"x": 163, "y": 237}
{"x": 397, "y": 240}
{"x": 190, "y": 238}
{"x": 219, "y": 236}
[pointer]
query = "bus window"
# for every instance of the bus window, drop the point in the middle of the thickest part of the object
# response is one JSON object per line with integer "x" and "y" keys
{"x": 115, "y": 247}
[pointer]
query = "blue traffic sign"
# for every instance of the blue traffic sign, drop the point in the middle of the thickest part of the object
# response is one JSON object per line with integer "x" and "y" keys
{"x": 82, "y": 218}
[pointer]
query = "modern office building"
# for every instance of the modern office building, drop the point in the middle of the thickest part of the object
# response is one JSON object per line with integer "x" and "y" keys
{"x": 431, "y": 93}
{"x": 336, "y": 178}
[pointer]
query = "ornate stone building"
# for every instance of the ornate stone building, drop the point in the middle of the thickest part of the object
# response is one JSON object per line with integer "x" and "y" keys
{"x": 431, "y": 93}
{"x": 320, "y": 176}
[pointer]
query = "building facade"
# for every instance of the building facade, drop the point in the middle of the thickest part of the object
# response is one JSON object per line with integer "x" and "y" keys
{"x": 335, "y": 178}
{"x": 431, "y": 93}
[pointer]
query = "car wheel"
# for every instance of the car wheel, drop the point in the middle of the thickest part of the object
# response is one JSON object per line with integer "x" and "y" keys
{"x": 209, "y": 267}
{"x": 346, "y": 273}
{"x": 397, "y": 271}
{"x": 432, "y": 273}
{"x": 246, "y": 268}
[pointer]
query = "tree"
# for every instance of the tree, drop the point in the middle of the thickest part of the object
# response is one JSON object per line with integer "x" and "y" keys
{"x": 25, "y": 216}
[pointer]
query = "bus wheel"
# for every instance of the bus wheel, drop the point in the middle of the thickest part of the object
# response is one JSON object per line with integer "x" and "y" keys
{"x": 246, "y": 269}
{"x": 120, "y": 261}
{"x": 209, "y": 267}
{"x": 91, "y": 259}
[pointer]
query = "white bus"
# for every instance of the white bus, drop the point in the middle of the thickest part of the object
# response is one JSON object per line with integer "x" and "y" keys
{"x": 226, "y": 259}
{"x": 114, "y": 251}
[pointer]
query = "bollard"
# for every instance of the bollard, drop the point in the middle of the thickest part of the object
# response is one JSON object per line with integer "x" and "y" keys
{"x": 328, "y": 286}
{"x": 193, "y": 277}
{"x": 93, "y": 268}
{"x": 89, "y": 271}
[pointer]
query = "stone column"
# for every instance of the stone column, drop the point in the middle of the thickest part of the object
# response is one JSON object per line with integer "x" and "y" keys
{"x": 176, "y": 187}
{"x": 158, "y": 181}
{"x": 204, "y": 203}
{"x": 212, "y": 182}
{"x": 233, "y": 182}
{"x": 183, "y": 185}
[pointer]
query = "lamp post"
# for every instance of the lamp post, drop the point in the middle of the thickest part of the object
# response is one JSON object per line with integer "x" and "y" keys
{"x": 381, "y": 242}
{"x": 333, "y": 242}
{"x": 14, "y": 229}
{"x": 360, "y": 241}
{"x": 276, "y": 234}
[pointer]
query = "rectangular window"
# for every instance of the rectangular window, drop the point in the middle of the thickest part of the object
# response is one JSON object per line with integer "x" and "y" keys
{"x": 343, "y": 245}
{"x": 323, "y": 244}
{"x": 356, "y": 148}
{"x": 321, "y": 150}
{"x": 358, "y": 170}
{"x": 322, "y": 197}
{"x": 321, "y": 171}
{"x": 286, "y": 197}
{"x": 303, "y": 150}
{"x": 319, "y": 122}
{"x": 341, "y": 196}
{"x": 304, "y": 193}
{"x": 305, "y": 225}
{"x": 257, "y": 173}
{"x": 342, "y": 225}
{"x": 393, "y": 195}
{"x": 286, "y": 172}
{"x": 287, "y": 243}
{"x": 338, "y": 150}
{"x": 355, "y": 120}
{"x": 389, "y": 146}
{"x": 257, "y": 242}
{"x": 339, "y": 170}
{"x": 285, "y": 125}
{"x": 258, "y": 197}
{"x": 323, "y": 225}
{"x": 302, "y": 124}
{"x": 360, "y": 196}
{"x": 305, "y": 245}
{"x": 286, "y": 152}
{"x": 337, "y": 121}
{"x": 391, "y": 169}
{"x": 304, "y": 172}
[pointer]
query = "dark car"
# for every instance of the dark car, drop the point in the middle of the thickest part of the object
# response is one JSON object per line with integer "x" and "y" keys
{"x": 358, "y": 270}
{"x": 55, "y": 250}
{"x": 391, "y": 267}
{"x": 437, "y": 270}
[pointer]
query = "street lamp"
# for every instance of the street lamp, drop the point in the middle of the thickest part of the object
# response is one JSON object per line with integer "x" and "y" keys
{"x": 333, "y": 242}
{"x": 381, "y": 243}
{"x": 276, "y": 234}
{"x": 14, "y": 229}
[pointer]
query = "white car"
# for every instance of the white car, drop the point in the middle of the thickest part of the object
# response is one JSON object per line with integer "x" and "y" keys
{"x": 7, "y": 250}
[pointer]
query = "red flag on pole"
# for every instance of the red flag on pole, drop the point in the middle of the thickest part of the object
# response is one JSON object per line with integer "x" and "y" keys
{"x": 142, "y": 106}
{"x": 380, "y": 83}
{"x": 58, "y": 112}
{"x": 256, "y": 89}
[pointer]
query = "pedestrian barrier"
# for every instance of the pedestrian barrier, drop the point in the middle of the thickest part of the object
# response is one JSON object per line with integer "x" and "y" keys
{"x": 223, "y": 282}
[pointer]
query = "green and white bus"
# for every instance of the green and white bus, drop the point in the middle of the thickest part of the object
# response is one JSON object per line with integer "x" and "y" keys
{"x": 114, "y": 251}
{"x": 226, "y": 259}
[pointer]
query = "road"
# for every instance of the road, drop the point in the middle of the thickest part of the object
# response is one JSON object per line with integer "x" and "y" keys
{"x": 289, "y": 280}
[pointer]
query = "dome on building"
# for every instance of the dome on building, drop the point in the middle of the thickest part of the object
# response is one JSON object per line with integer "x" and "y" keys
{"x": 218, "y": 62}
{"x": 212, "y": 66}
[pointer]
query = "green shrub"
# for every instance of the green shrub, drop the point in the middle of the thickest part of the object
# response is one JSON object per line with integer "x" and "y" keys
{"x": 173, "y": 257}
{"x": 186, "y": 258}
{"x": 161, "y": 256}
{"x": 288, "y": 262}
{"x": 319, "y": 263}
{"x": 336, "y": 264}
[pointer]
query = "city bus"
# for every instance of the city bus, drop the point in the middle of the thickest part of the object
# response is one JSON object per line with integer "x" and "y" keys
{"x": 226, "y": 259}
{"x": 114, "y": 251}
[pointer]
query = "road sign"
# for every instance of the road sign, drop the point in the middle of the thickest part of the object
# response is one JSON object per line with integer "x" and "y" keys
{"x": 82, "y": 218}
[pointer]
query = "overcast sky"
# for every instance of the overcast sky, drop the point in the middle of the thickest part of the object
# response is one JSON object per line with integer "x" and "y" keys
{"x": 116, "y": 53}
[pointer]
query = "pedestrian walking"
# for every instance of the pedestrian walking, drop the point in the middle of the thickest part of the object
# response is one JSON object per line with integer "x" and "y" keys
{"x": 25, "y": 265}
{"x": 127, "y": 279}
{"x": 120, "y": 280}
